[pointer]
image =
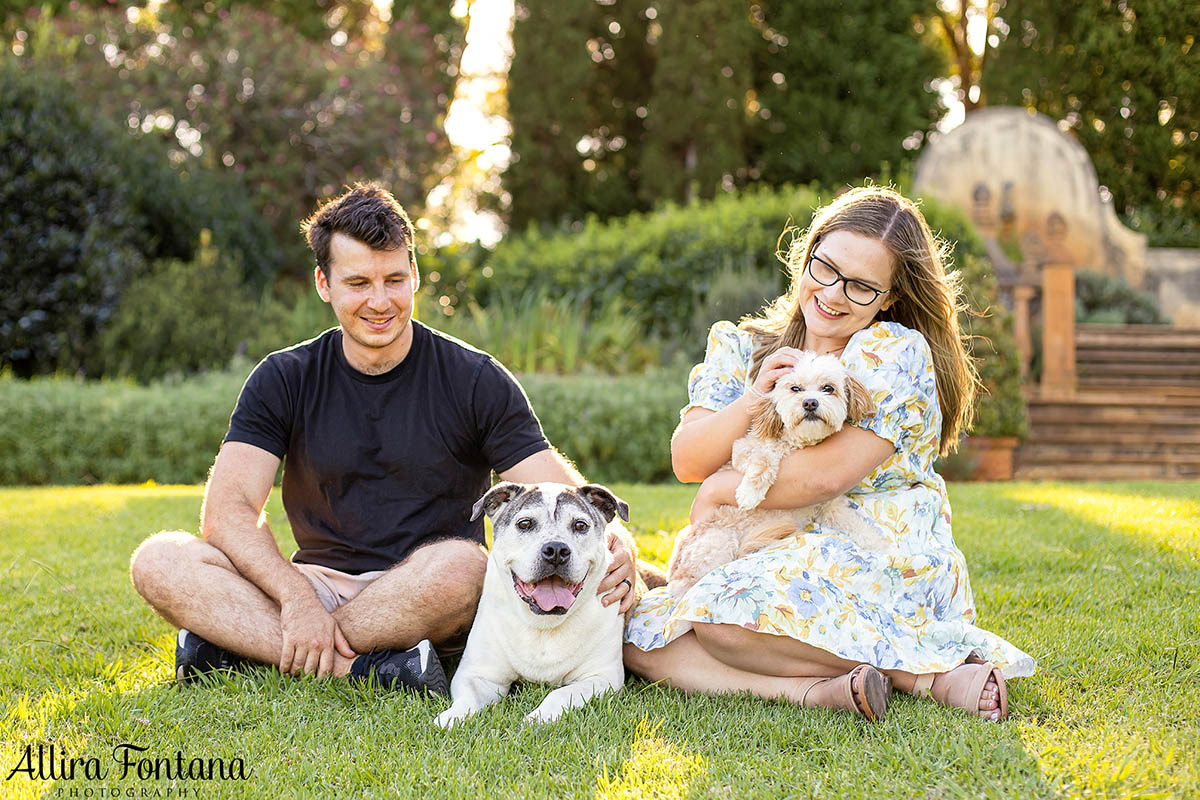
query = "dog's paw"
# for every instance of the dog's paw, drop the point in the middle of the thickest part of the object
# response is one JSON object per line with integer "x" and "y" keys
{"x": 451, "y": 717}
{"x": 749, "y": 495}
{"x": 540, "y": 716}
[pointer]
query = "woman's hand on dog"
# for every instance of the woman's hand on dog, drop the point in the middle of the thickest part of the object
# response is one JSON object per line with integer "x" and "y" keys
{"x": 774, "y": 367}
{"x": 617, "y": 585}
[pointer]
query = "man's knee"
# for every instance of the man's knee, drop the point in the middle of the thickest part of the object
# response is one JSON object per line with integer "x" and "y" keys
{"x": 155, "y": 565}
{"x": 454, "y": 565}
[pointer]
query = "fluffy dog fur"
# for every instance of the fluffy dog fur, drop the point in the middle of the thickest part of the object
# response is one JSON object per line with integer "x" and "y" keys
{"x": 806, "y": 406}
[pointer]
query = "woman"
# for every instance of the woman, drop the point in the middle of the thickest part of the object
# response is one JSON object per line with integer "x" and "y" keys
{"x": 812, "y": 619}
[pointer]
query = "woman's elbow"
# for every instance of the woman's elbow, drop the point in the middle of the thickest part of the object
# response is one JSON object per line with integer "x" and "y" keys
{"x": 685, "y": 471}
{"x": 683, "y": 464}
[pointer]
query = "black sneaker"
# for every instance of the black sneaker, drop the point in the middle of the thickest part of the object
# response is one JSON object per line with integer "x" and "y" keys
{"x": 195, "y": 657}
{"x": 416, "y": 669}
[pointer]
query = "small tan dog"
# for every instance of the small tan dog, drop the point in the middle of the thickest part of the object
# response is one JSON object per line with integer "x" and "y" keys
{"x": 807, "y": 406}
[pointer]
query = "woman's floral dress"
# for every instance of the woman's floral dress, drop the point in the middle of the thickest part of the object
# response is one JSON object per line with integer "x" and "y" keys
{"x": 907, "y": 606}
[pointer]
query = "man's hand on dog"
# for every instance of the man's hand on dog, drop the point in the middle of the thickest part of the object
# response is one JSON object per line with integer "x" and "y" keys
{"x": 310, "y": 637}
{"x": 618, "y": 583}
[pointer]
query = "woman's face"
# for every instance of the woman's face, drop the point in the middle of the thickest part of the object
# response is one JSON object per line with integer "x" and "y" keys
{"x": 830, "y": 317}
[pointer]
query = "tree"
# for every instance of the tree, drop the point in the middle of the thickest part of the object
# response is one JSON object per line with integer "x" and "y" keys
{"x": 840, "y": 86}
{"x": 617, "y": 105}
{"x": 74, "y": 227}
{"x": 1122, "y": 78}
{"x": 970, "y": 30}
{"x": 697, "y": 113}
{"x": 294, "y": 118}
{"x": 577, "y": 97}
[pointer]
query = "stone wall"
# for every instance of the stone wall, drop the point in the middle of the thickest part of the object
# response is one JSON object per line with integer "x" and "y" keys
{"x": 1173, "y": 277}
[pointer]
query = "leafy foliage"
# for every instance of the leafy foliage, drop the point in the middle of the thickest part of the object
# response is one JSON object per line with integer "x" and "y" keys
{"x": 841, "y": 86}
{"x": 1123, "y": 78}
{"x": 577, "y": 95}
{"x": 293, "y": 117}
{"x": 696, "y": 120}
{"x": 160, "y": 327}
{"x": 85, "y": 209}
{"x": 660, "y": 265}
{"x": 535, "y": 332}
{"x": 616, "y": 107}
{"x": 1108, "y": 299}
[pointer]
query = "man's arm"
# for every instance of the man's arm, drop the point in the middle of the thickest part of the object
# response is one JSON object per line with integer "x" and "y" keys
{"x": 233, "y": 521}
{"x": 549, "y": 465}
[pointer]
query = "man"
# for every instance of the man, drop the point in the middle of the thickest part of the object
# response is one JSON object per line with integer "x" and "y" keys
{"x": 390, "y": 432}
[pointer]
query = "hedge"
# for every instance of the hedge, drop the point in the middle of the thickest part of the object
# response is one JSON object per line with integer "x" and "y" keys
{"x": 69, "y": 431}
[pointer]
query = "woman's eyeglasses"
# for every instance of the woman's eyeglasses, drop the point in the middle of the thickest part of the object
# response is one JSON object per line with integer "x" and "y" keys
{"x": 856, "y": 291}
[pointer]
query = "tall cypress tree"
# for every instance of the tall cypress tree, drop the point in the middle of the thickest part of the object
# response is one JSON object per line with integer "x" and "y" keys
{"x": 697, "y": 113}
{"x": 577, "y": 93}
{"x": 619, "y": 104}
{"x": 840, "y": 85}
{"x": 547, "y": 86}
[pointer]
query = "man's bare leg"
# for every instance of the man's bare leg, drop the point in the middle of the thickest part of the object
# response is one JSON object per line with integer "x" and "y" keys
{"x": 431, "y": 595}
{"x": 193, "y": 585}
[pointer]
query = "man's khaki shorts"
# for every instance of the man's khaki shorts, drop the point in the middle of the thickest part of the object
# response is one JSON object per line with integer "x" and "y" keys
{"x": 336, "y": 588}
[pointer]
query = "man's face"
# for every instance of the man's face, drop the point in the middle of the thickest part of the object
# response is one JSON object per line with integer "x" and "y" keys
{"x": 371, "y": 292}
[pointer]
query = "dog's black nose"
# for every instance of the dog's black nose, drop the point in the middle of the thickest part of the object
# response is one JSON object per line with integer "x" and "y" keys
{"x": 810, "y": 404}
{"x": 556, "y": 553}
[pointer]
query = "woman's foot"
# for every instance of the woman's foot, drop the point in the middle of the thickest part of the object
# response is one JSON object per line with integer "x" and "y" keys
{"x": 975, "y": 688}
{"x": 862, "y": 690}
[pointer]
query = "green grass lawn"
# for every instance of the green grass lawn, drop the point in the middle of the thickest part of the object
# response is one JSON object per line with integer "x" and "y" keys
{"x": 1098, "y": 581}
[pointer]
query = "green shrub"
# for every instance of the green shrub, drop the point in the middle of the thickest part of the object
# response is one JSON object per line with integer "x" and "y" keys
{"x": 661, "y": 266}
{"x": 291, "y": 313}
{"x": 1107, "y": 299}
{"x": 64, "y": 430}
{"x": 71, "y": 431}
{"x": 536, "y": 333}
{"x": 70, "y": 236}
{"x": 85, "y": 209}
{"x": 181, "y": 316}
{"x": 613, "y": 428}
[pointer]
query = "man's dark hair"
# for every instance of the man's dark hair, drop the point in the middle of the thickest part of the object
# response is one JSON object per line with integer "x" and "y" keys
{"x": 367, "y": 212}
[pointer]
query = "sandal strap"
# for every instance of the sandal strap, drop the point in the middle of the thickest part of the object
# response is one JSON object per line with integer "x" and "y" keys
{"x": 923, "y": 685}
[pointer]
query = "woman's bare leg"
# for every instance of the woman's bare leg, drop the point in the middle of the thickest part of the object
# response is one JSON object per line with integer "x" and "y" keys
{"x": 765, "y": 655}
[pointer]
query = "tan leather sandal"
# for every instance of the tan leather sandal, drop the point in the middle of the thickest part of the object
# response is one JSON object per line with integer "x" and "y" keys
{"x": 869, "y": 698}
{"x": 964, "y": 689}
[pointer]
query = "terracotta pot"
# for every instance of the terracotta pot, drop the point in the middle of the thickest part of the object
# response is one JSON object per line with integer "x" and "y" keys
{"x": 993, "y": 457}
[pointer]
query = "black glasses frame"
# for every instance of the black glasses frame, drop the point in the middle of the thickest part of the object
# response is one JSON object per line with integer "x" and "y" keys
{"x": 844, "y": 281}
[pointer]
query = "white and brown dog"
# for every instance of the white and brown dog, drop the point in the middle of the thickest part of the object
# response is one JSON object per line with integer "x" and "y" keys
{"x": 807, "y": 406}
{"x": 539, "y": 617}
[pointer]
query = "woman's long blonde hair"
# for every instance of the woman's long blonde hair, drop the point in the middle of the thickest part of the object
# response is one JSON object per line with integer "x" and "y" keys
{"x": 924, "y": 296}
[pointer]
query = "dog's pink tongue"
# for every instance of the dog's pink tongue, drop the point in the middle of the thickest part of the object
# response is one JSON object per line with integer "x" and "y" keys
{"x": 552, "y": 593}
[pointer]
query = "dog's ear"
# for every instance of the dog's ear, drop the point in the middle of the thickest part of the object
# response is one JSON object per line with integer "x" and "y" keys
{"x": 609, "y": 504}
{"x": 765, "y": 422}
{"x": 859, "y": 404}
{"x": 495, "y": 497}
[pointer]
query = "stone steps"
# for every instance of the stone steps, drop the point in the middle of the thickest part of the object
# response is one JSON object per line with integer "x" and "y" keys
{"x": 1136, "y": 415}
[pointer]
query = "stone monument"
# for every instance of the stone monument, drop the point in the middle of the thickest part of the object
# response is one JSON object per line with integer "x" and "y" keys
{"x": 1025, "y": 182}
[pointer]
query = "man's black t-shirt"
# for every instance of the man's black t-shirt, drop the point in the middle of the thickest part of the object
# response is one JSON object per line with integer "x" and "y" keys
{"x": 377, "y": 465}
